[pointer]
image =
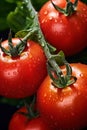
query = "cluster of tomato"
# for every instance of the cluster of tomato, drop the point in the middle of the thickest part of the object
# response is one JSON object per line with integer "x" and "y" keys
{"x": 25, "y": 74}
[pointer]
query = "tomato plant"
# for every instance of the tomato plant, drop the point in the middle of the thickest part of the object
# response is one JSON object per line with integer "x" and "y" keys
{"x": 21, "y": 69}
{"x": 65, "y": 108}
{"x": 64, "y": 25}
{"x": 21, "y": 122}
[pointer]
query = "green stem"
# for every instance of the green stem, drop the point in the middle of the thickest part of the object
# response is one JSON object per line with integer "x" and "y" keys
{"x": 69, "y": 9}
{"x": 15, "y": 51}
{"x": 62, "y": 80}
{"x": 31, "y": 110}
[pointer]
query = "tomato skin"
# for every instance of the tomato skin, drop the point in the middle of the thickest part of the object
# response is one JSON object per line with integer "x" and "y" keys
{"x": 21, "y": 122}
{"x": 67, "y": 33}
{"x": 21, "y": 76}
{"x": 65, "y": 108}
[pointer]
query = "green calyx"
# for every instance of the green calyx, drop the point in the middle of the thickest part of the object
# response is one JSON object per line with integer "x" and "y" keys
{"x": 31, "y": 111}
{"x": 14, "y": 51}
{"x": 69, "y": 9}
{"x": 59, "y": 79}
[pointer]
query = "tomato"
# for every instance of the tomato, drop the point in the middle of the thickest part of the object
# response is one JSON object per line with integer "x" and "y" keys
{"x": 66, "y": 33}
{"x": 21, "y": 76}
{"x": 65, "y": 108}
{"x": 21, "y": 122}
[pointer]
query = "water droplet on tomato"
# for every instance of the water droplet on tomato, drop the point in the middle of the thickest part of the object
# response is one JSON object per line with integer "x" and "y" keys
{"x": 61, "y": 99}
{"x": 45, "y": 95}
{"x": 38, "y": 59}
{"x": 14, "y": 72}
{"x": 8, "y": 73}
{"x": 45, "y": 13}
{"x": 81, "y": 75}
{"x": 61, "y": 21}
{"x": 55, "y": 20}
{"x": 44, "y": 21}
{"x": 79, "y": 93}
{"x": 51, "y": 18}
{"x": 84, "y": 9}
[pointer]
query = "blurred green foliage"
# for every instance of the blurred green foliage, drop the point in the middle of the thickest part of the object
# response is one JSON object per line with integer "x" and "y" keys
{"x": 7, "y": 6}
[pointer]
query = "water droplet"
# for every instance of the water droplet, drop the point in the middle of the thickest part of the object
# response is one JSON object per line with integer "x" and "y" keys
{"x": 81, "y": 75}
{"x": 55, "y": 20}
{"x": 8, "y": 73}
{"x": 14, "y": 72}
{"x": 61, "y": 21}
{"x": 45, "y": 95}
{"x": 79, "y": 93}
{"x": 45, "y": 13}
{"x": 61, "y": 99}
{"x": 39, "y": 36}
{"x": 38, "y": 59}
{"x": 50, "y": 96}
{"x": 84, "y": 9}
{"x": 50, "y": 18}
{"x": 44, "y": 21}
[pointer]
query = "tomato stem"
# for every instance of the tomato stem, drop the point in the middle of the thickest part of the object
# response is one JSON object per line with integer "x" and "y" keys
{"x": 13, "y": 50}
{"x": 31, "y": 111}
{"x": 60, "y": 80}
{"x": 69, "y": 9}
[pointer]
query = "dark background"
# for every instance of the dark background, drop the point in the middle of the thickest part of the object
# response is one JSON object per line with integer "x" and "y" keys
{"x": 6, "y": 110}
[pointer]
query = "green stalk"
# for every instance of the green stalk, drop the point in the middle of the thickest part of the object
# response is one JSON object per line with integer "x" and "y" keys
{"x": 69, "y": 9}
{"x": 62, "y": 80}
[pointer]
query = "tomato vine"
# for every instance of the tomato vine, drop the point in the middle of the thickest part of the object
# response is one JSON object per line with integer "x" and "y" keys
{"x": 35, "y": 31}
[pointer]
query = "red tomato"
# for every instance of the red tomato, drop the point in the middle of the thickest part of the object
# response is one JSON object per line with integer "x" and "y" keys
{"x": 65, "y": 108}
{"x": 67, "y": 33}
{"x": 21, "y": 122}
{"x": 21, "y": 76}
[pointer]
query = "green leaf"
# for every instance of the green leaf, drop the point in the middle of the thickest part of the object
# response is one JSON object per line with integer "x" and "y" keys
{"x": 59, "y": 58}
{"x": 21, "y": 33}
{"x": 12, "y": 1}
{"x": 23, "y": 17}
{"x": 5, "y": 8}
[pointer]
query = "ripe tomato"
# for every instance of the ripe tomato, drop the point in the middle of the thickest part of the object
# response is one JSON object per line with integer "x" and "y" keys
{"x": 21, "y": 122}
{"x": 65, "y": 108}
{"x": 21, "y": 76}
{"x": 67, "y": 33}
